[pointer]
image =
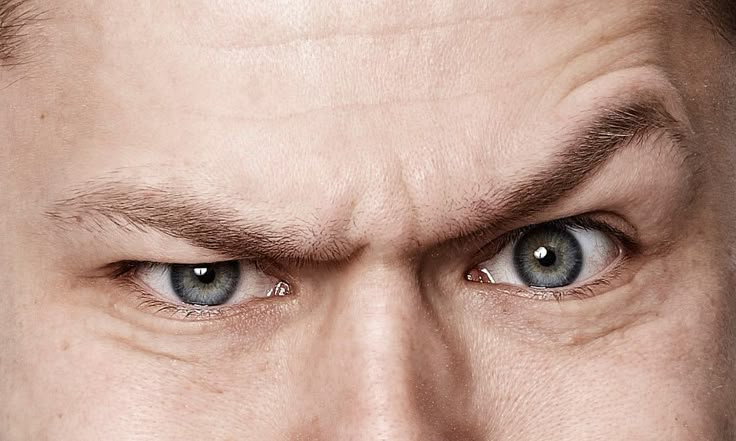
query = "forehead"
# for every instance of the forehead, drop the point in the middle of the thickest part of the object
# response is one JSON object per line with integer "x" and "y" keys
{"x": 316, "y": 103}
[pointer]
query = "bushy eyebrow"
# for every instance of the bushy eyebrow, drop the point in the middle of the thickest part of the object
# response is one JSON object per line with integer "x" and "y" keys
{"x": 15, "y": 18}
{"x": 212, "y": 224}
{"x": 205, "y": 221}
{"x": 586, "y": 151}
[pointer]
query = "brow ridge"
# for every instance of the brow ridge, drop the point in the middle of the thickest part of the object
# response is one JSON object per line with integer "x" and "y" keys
{"x": 585, "y": 152}
{"x": 208, "y": 223}
{"x": 205, "y": 222}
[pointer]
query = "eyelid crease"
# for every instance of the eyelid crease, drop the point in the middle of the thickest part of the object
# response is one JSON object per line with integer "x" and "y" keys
{"x": 628, "y": 241}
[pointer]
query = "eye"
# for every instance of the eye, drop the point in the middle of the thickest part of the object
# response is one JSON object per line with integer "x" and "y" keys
{"x": 552, "y": 255}
{"x": 209, "y": 284}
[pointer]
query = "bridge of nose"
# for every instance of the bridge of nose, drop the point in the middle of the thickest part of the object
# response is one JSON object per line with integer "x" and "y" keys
{"x": 379, "y": 365}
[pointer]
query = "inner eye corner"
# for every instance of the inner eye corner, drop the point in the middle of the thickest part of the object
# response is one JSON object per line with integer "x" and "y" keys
{"x": 479, "y": 275}
{"x": 281, "y": 289}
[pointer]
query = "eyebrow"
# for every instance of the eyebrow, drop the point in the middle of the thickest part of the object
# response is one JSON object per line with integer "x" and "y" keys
{"x": 208, "y": 223}
{"x": 15, "y": 17}
{"x": 586, "y": 151}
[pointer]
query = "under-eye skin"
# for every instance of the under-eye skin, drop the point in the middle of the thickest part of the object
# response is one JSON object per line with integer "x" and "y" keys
{"x": 567, "y": 258}
{"x": 198, "y": 290}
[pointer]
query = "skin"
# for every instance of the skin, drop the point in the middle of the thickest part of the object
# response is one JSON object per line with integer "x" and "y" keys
{"x": 379, "y": 123}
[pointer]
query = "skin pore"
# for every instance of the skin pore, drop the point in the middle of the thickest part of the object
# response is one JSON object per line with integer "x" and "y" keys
{"x": 370, "y": 156}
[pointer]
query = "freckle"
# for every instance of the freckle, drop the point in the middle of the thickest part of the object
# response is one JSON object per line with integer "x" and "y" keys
{"x": 59, "y": 415}
{"x": 42, "y": 116}
{"x": 65, "y": 346}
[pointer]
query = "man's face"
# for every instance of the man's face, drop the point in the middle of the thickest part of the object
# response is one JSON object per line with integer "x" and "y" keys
{"x": 433, "y": 220}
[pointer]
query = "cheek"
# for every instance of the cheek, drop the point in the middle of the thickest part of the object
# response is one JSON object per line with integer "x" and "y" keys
{"x": 644, "y": 383}
{"x": 655, "y": 378}
{"x": 664, "y": 376}
{"x": 142, "y": 397}
{"x": 80, "y": 374}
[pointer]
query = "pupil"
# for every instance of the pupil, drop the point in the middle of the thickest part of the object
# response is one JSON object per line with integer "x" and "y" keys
{"x": 206, "y": 284}
{"x": 545, "y": 256}
{"x": 548, "y": 257}
{"x": 204, "y": 274}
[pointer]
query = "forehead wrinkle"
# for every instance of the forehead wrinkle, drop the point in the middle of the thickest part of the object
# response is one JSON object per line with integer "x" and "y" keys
{"x": 365, "y": 19}
{"x": 632, "y": 40}
{"x": 312, "y": 77}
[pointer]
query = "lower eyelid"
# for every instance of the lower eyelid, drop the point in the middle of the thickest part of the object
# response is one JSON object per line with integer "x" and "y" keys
{"x": 610, "y": 280}
{"x": 144, "y": 300}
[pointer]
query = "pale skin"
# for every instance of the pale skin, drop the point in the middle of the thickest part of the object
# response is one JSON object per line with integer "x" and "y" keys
{"x": 368, "y": 134}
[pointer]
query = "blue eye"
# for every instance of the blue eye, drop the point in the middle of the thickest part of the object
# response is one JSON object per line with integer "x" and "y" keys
{"x": 207, "y": 284}
{"x": 548, "y": 257}
{"x": 551, "y": 255}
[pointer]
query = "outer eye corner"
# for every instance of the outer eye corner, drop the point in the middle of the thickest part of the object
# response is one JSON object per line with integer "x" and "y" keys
{"x": 479, "y": 275}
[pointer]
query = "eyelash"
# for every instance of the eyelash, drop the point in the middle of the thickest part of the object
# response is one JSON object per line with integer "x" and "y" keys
{"x": 629, "y": 246}
{"x": 125, "y": 272}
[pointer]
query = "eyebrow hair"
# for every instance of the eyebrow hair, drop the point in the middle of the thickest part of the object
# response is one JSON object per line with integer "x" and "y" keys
{"x": 612, "y": 129}
{"x": 208, "y": 223}
{"x": 15, "y": 17}
{"x": 205, "y": 222}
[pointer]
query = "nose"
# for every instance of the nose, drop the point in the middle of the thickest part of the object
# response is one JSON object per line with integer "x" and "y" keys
{"x": 379, "y": 365}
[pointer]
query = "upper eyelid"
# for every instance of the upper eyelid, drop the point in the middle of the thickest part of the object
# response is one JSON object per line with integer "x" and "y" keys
{"x": 583, "y": 221}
